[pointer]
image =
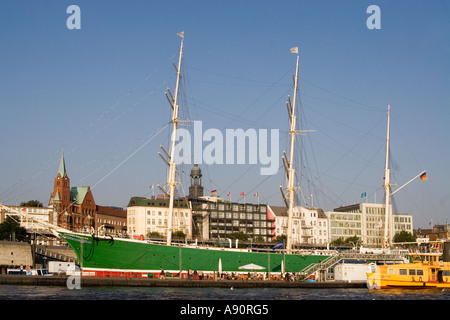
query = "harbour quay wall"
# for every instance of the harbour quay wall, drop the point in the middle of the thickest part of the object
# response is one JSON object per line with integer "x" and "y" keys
{"x": 14, "y": 254}
{"x": 139, "y": 282}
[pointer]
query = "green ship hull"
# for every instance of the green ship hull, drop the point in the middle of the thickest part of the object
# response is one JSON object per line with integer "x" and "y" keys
{"x": 117, "y": 257}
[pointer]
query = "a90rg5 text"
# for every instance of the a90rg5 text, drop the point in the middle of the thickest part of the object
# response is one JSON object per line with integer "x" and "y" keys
{"x": 246, "y": 309}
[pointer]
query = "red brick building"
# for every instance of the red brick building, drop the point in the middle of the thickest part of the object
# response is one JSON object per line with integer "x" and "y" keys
{"x": 74, "y": 207}
{"x": 111, "y": 220}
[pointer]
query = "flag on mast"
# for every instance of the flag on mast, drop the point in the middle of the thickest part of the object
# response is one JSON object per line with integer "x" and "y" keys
{"x": 294, "y": 50}
{"x": 279, "y": 246}
{"x": 423, "y": 176}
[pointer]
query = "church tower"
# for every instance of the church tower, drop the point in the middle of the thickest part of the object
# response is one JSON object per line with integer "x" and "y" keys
{"x": 196, "y": 188}
{"x": 74, "y": 207}
{"x": 60, "y": 198}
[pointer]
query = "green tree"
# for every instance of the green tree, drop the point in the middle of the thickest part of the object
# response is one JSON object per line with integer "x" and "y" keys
{"x": 347, "y": 241}
{"x": 11, "y": 227}
{"x": 154, "y": 234}
{"x": 338, "y": 242}
{"x": 353, "y": 240}
{"x": 241, "y": 236}
{"x": 405, "y": 236}
{"x": 179, "y": 235}
{"x": 32, "y": 203}
{"x": 258, "y": 239}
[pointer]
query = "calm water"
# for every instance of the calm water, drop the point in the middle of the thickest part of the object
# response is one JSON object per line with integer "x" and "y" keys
{"x": 220, "y": 303}
{"x": 8, "y": 292}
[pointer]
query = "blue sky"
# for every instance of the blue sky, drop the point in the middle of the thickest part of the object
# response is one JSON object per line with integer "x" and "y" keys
{"x": 98, "y": 92}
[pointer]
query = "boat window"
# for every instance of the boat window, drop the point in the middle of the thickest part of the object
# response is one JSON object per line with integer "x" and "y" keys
{"x": 403, "y": 272}
{"x": 412, "y": 272}
{"x": 391, "y": 271}
{"x": 419, "y": 272}
{"x": 446, "y": 273}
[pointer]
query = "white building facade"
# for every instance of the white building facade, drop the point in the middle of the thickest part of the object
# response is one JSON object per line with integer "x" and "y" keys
{"x": 145, "y": 216}
{"x": 309, "y": 225}
{"x": 367, "y": 221}
{"x": 364, "y": 220}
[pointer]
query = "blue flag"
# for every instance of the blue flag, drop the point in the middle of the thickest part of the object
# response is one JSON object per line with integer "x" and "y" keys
{"x": 278, "y": 246}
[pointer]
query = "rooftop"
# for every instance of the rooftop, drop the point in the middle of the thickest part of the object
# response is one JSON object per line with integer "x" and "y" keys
{"x": 144, "y": 202}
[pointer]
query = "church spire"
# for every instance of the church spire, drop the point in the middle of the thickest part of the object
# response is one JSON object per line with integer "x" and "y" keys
{"x": 62, "y": 166}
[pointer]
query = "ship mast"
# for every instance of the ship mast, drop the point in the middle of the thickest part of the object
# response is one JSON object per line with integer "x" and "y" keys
{"x": 173, "y": 100}
{"x": 387, "y": 187}
{"x": 291, "y": 170}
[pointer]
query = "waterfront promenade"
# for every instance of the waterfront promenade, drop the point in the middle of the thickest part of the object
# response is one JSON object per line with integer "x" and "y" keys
{"x": 142, "y": 282}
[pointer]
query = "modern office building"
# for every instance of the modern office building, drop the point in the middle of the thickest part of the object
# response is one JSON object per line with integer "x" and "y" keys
{"x": 367, "y": 221}
{"x": 216, "y": 219}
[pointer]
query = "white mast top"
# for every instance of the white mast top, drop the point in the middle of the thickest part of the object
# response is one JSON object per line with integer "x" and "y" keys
{"x": 172, "y": 165}
{"x": 291, "y": 170}
{"x": 387, "y": 187}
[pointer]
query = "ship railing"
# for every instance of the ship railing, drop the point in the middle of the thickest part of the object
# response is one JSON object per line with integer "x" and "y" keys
{"x": 333, "y": 260}
{"x": 198, "y": 246}
{"x": 55, "y": 255}
{"x": 323, "y": 265}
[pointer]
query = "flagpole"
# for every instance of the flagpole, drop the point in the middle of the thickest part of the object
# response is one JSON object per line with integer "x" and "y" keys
{"x": 408, "y": 182}
{"x": 257, "y": 196}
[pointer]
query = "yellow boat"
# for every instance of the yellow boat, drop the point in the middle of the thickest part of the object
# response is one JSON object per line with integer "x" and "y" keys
{"x": 426, "y": 270}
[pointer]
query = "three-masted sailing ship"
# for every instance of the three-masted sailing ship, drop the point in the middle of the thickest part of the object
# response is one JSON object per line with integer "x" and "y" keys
{"x": 106, "y": 256}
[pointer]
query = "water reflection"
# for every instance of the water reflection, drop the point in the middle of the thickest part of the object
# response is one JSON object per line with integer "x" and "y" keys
{"x": 127, "y": 293}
